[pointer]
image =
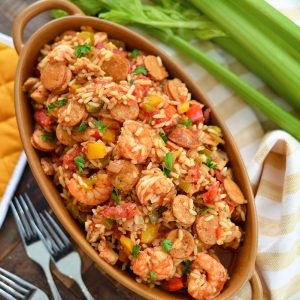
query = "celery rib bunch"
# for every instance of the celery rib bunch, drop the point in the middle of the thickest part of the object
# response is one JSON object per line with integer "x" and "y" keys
{"x": 244, "y": 28}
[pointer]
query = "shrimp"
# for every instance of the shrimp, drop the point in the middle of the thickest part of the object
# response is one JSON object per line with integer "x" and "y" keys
{"x": 135, "y": 141}
{"x": 123, "y": 174}
{"x": 154, "y": 190}
{"x": 185, "y": 137}
{"x": 122, "y": 112}
{"x": 97, "y": 193}
{"x": 182, "y": 243}
{"x": 47, "y": 166}
{"x": 43, "y": 141}
{"x": 71, "y": 113}
{"x": 207, "y": 277}
{"x": 62, "y": 53}
{"x": 63, "y": 136}
{"x": 116, "y": 67}
{"x": 233, "y": 239}
{"x": 206, "y": 226}
{"x": 183, "y": 210}
{"x": 155, "y": 68}
{"x": 153, "y": 260}
{"x": 105, "y": 252}
{"x": 40, "y": 94}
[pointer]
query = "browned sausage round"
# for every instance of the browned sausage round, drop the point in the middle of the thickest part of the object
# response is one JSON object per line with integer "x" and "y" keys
{"x": 182, "y": 243}
{"x": 117, "y": 68}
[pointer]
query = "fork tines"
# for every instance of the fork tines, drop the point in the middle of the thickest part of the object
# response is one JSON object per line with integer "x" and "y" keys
{"x": 24, "y": 213}
{"x": 13, "y": 287}
{"x": 58, "y": 243}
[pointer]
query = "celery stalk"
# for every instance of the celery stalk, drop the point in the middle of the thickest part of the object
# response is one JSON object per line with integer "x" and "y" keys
{"x": 274, "y": 112}
{"x": 281, "y": 66}
{"x": 245, "y": 58}
{"x": 267, "y": 29}
{"x": 282, "y": 25}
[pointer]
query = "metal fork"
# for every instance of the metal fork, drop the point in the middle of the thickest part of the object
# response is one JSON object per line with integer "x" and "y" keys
{"x": 33, "y": 244}
{"x": 65, "y": 258}
{"x": 12, "y": 287}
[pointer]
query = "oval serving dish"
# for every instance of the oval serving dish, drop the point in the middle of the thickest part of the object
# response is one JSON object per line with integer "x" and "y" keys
{"x": 242, "y": 267}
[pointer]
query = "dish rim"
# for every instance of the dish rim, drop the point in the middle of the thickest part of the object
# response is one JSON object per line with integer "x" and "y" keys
{"x": 34, "y": 163}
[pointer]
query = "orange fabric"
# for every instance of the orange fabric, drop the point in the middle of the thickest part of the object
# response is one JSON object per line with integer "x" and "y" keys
{"x": 10, "y": 143}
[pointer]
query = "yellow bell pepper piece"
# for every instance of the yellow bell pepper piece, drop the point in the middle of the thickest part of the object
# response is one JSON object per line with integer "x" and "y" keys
{"x": 217, "y": 138}
{"x": 183, "y": 107}
{"x": 185, "y": 186}
{"x": 96, "y": 150}
{"x": 74, "y": 87}
{"x": 127, "y": 243}
{"x": 150, "y": 233}
{"x": 109, "y": 135}
{"x": 216, "y": 129}
{"x": 151, "y": 103}
{"x": 87, "y": 35}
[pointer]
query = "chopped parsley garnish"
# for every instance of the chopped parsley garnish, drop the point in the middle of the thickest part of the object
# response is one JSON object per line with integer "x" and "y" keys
{"x": 79, "y": 161}
{"x": 168, "y": 159}
{"x": 187, "y": 122}
{"x": 187, "y": 266}
{"x": 131, "y": 82}
{"x": 152, "y": 276}
{"x": 203, "y": 211}
{"x": 62, "y": 102}
{"x": 135, "y": 53}
{"x": 101, "y": 126}
{"x": 80, "y": 50}
{"x": 82, "y": 126}
{"x": 163, "y": 136}
{"x": 135, "y": 250}
{"x": 115, "y": 195}
{"x": 210, "y": 163}
{"x": 140, "y": 70}
{"x": 51, "y": 107}
{"x": 47, "y": 136}
{"x": 166, "y": 245}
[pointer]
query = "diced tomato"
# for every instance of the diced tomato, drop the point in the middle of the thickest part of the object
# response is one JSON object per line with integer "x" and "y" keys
{"x": 219, "y": 232}
{"x": 68, "y": 158}
{"x": 212, "y": 192}
{"x": 120, "y": 52}
{"x": 100, "y": 45}
{"x": 124, "y": 210}
{"x": 44, "y": 119}
{"x": 193, "y": 174}
{"x": 174, "y": 284}
{"x": 206, "y": 115}
{"x": 219, "y": 176}
{"x": 195, "y": 113}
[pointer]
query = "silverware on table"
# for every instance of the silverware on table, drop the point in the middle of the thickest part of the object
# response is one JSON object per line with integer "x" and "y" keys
{"x": 65, "y": 258}
{"x": 34, "y": 246}
{"x": 12, "y": 287}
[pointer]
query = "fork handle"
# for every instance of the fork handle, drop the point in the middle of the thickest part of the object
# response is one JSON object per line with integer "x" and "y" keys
{"x": 83, "y": 288}
{"x": 51, "y": 283}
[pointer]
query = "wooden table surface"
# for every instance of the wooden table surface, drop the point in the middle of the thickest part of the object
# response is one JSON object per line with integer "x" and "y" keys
{"x": 12, "y": 255}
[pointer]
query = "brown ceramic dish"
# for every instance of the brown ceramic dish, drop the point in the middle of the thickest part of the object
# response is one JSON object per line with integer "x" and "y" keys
{"x": 242, "y": 266}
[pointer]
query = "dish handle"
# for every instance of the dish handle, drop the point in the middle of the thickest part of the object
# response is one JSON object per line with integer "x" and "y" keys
{"x": 257, "y": 290}
{"x": 33, "y": 10}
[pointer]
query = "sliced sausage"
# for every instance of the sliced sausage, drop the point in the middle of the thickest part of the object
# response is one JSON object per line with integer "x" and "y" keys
{"x": 156, "y": 71}
{"x": 117, "y": 68}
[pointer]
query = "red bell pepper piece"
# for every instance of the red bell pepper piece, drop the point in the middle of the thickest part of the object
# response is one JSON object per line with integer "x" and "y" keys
{"x": 195, "y": 113}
